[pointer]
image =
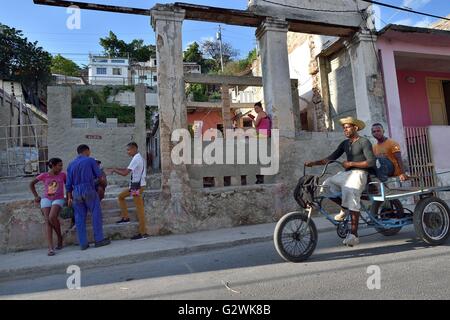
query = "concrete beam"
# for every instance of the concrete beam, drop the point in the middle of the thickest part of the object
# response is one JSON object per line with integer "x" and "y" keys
{"x": 220, "y": 79}
{"x": 343, "y": 13}
{"x": 93, "y": 6}
{"x": 220, "y": 15}
{"x": 229, "y": 80}
{"x": 217, "y": 105}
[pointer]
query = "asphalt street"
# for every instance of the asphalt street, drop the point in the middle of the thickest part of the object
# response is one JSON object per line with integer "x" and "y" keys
{"x": 409, "y": 269}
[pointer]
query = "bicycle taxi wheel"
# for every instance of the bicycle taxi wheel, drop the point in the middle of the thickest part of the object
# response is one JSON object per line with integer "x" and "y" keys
{"x": 392, "y": 209}
{"x": 432, "y": 220}
{"x": 294, "y": 240}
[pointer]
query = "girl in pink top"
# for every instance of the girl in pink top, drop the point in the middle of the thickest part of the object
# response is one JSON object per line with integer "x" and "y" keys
{"x": 262, "y": 122}
{"x": 53, "y": 200}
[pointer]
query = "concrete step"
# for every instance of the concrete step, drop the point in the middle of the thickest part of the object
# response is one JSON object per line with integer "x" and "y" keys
{"x": 112, "y": 231}
{"x": 111, "y": 216}
{"x": 112, "y": 203}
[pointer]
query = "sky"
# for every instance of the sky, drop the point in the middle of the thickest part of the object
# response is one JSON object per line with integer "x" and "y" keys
{"x": 47, "y": 25}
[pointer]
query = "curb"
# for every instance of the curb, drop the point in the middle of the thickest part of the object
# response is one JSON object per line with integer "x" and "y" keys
{"x": 40, "y": 271}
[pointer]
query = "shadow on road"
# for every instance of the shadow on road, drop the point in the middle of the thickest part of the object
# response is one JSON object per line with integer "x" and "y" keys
{"x": 246, "y": 256}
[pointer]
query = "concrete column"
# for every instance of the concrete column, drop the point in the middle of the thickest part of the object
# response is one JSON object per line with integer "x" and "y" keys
{"x": 296, "y": 105}
{"x": 167, "y": 23}
{"x": 394, "y": 109}
{"x": 59, "y": 111}
{"x": 140, "y": 133}
{"x": 272, "y": 37}
{"x": 324, "y": 70}
{"x": 226, "y": 108}
{"x": 367, "y": 80}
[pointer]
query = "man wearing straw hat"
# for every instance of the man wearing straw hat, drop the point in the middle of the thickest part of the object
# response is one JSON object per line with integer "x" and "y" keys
{"x": 348, "y": 185}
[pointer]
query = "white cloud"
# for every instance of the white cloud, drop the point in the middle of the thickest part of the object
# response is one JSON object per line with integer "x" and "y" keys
{"x": 423, "y": 23}
{"x": 207, "y": 39}
{"x": 404, "y": 22}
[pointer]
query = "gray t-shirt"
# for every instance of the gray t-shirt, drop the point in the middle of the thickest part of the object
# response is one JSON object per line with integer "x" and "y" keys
{"x": 360, "y": 150}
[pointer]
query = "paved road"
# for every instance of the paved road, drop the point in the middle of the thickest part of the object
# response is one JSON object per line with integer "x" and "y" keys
{"x": 409, "y": 270}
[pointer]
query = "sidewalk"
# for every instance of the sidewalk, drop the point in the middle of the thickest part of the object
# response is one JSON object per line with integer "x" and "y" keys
{"x": 36, "y": 262}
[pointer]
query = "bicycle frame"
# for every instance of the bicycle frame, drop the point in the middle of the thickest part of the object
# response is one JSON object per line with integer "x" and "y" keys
{"x": 368, "y": 219}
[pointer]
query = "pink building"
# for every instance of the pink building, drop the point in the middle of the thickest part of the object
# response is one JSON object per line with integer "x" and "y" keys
{"x": 416, "y": 70}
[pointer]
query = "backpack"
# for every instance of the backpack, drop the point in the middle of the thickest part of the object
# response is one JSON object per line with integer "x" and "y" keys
{"x": 305, "y": 189}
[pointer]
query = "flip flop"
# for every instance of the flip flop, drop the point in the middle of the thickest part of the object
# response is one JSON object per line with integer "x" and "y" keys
{"x": 51, "y": 253}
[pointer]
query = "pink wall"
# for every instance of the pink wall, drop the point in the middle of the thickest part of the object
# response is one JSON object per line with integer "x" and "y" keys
{"x": 413, "y": 97}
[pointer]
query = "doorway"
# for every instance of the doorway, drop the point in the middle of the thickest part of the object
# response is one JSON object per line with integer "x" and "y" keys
{"x": 438, "y": 101}
{"x": 446, "y": 87}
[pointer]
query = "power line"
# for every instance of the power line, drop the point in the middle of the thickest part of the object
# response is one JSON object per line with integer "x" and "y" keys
{"x": 405, "y": 9}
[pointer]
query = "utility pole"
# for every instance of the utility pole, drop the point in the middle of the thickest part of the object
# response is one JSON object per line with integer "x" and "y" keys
{"x": 219, "y": 38}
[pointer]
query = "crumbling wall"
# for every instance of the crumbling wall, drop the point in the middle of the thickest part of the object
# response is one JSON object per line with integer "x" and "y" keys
{"x": 212, "y": 208}
{"x": 107, "y": 144}
{"x": 22, "y": 226}
{"x": 342, "y": 93}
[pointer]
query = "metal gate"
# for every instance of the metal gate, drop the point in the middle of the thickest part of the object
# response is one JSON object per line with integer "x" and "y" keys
{"x": 23, "y": 150}
{"x": 419, "y": 155}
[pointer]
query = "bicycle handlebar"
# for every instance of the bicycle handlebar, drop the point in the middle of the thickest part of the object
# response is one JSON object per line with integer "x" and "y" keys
{"x": 324, "y": 169}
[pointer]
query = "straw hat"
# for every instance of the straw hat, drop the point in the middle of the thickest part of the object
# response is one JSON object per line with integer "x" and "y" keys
{"x": 350, "y": 120}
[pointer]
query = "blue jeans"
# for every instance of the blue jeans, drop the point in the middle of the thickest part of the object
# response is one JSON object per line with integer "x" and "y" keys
{"x": 384, "y": 169}
{"x": 82, "y": 202}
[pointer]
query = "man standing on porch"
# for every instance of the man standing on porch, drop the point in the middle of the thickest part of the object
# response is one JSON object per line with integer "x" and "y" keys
{"x": 136, "y": 189}
{"x": 388, "y": 150}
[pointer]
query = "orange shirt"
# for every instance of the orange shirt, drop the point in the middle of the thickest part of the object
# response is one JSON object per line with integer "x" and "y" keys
{"x": 387, "y": 149}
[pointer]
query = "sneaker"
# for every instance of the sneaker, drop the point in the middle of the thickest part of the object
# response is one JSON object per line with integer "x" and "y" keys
{"x": 351, "y": 240}
{"x": 84, "y": 247}
{"x": 340, "y": 217}
{"x": 102, "y": 243}
{"x": 140, "y": 237}
{"x": 123, "y": 221}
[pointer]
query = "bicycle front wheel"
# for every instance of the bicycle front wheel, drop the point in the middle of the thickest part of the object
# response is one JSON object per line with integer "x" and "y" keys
{"x": 294, "y": 239}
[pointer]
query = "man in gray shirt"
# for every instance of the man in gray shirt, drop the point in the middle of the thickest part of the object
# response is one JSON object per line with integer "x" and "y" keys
{"x": 349, "y": 184}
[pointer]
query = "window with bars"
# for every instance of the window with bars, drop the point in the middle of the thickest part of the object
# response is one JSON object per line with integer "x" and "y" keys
{"x": 101, "y": 70}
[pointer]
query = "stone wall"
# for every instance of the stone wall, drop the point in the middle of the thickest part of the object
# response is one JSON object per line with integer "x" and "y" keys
{"x": 342, "y": 93}
{"x": 22, "y": 225}
{"x": 107, "y": 144}
{"x": 219, "y": 207}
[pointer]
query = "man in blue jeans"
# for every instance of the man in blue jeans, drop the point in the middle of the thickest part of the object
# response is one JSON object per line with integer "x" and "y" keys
{"x": 81, "y": 194}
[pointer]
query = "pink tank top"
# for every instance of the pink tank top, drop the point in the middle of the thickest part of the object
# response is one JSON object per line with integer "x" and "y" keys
{"x": 265, "y": 124}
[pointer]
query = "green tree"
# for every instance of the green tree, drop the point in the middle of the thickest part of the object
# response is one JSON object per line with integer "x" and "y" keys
{"x": 136, "y": 49}
{"x": 61, "y": 65}
{"x": 24, "y": 61}
{"x": 237, "y": 67}
{"x": 211, "y": 49}
{"x": 193, "y": 54}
